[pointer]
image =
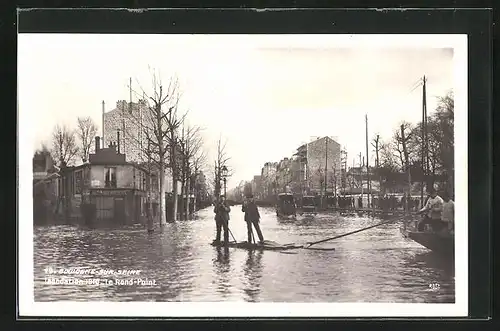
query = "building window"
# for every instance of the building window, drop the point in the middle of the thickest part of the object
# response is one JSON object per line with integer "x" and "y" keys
{"x": 110, "y": 177}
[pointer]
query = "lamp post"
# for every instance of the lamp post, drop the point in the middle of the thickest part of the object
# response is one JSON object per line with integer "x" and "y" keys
{"x": 224, "y": 177}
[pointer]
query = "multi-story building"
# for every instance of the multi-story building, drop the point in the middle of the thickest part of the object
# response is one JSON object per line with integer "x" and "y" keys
{"x": 257, "y": 188}
{"x": 125, "y": 125}
{"x": 268, "y": 179}
{"x": 128, "y": 118}
{"x": 283, "y": 174}
{"x": 318, "y": 163}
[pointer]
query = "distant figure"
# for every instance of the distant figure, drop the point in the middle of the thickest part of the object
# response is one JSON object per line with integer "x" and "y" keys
{"x": 432, "y": 210}
{"x": 448, "y": 211}
{"x": 221, "y": 211}
{"x": 252, "y": 217}
{"x": 360, "y": 202}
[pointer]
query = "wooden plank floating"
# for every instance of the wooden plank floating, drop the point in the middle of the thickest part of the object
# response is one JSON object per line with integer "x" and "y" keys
{"x": 266, "y": 245}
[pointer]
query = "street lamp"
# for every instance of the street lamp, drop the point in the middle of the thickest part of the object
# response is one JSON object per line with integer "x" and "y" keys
{"x": 224, "y": 177}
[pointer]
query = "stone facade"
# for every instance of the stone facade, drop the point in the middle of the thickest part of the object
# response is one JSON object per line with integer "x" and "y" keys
{"x": 128, "y": 118}
{"x": 321, "y": 153}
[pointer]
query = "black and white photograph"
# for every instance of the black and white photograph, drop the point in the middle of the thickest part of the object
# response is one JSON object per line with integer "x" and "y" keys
{"x": 242, "y": 175}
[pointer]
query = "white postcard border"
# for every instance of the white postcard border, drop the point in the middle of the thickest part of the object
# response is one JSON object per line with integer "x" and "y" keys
{"x": 28, "y": 307}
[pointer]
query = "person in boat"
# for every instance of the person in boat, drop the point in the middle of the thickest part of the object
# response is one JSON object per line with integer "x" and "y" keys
{"x": 221, "y": 211}
{"x": 448, "y": 211}
{"x": 252, "y": 217}
{"x": 432, "y": 211}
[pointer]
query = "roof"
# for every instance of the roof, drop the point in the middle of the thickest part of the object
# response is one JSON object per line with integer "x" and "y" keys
{"x": 281, "y": 194}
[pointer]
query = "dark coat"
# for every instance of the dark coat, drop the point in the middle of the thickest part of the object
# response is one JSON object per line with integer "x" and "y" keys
{"x": 251, "y": 212}
{"x": 222, "y": 212}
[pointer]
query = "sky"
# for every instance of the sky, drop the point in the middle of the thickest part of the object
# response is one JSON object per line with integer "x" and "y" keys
{"x": 264, "y": 95}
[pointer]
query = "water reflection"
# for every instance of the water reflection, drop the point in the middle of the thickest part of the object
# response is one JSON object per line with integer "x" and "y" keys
{"x": 222, "y": 268}
{"x": 253, "y": 274}
{"x": 378, "y": 265}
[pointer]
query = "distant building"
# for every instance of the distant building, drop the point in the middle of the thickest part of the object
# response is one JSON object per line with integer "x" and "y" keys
{"x": 128, "y": 118}
{"x": 283, "y": 174}
{"x": 257, "y": 187}
{"x": 318, "y": 165}
{"x": 268, "y": 179}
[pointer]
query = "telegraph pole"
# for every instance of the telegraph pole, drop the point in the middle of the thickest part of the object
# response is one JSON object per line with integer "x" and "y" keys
{"x": 424, "y": 143}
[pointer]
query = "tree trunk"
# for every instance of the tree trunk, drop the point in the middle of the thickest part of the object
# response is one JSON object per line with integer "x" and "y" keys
{"x": 183, "y": 194}
{"x": 174, "y": 179}
{"x": 187, "y": 197}
{"x": 163, "y": 209}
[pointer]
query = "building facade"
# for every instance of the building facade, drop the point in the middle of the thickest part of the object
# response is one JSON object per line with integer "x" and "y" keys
{"x": 127, "y": 118}
{"x": 125, "y": 125}
{"x": 268, "y": 179}
{"x": 322, "y": 165}
{"x": 118, "y": 189}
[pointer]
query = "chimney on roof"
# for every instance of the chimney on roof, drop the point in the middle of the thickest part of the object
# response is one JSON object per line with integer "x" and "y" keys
{"x": 97, "y": 143}
{"x": 118, "y": 139}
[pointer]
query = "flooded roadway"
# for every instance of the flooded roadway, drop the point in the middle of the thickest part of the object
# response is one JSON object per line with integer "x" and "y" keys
{"x": 377, "y": 265}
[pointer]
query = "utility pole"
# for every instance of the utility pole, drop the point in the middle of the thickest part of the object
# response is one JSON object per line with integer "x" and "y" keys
{"x": 367, "y": 161}
{"x": 424, "y": 144}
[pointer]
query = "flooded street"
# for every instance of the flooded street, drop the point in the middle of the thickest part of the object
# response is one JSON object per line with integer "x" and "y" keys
{"x": 377, "y": 265}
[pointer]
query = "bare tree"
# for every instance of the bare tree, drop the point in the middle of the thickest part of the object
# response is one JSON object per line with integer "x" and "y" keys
{"x": 221, "y": 161}
{"x": 158, "y": 123}
{"x": 87, "y": 130}
{"x": 376, "y": 144}
{"x": 64, "y": 147}
{"x": 191, "y": 144}
{"x": 400, "y": 140}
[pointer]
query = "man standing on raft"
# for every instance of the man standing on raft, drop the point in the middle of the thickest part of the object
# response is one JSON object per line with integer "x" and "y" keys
{"x": 252, "y": 217}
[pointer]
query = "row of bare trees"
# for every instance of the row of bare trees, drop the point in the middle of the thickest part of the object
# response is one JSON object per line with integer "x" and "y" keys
{"x": 166, "y": 140}
{"x": 68, "y": 143}
{"x": 404, "y": 152}
{"x": 161, "y": 134}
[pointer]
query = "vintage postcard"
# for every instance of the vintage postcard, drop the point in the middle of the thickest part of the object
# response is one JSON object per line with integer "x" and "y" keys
{"x": 242, "y": 175}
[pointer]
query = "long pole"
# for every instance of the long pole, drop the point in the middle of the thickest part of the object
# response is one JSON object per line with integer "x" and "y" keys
{"x": 309, "y": 244}
{"x": 367, "y": 162}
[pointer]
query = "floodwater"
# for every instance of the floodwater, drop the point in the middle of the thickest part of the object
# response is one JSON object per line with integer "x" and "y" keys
{"x": 377, "y": 265}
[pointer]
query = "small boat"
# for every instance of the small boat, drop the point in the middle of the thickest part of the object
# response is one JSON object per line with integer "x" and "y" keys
{"x": 266, "y": 245}
{"x": 308, "y": 208}
{"x": 442, "y": 243}
{"x": 285, "y": 206}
